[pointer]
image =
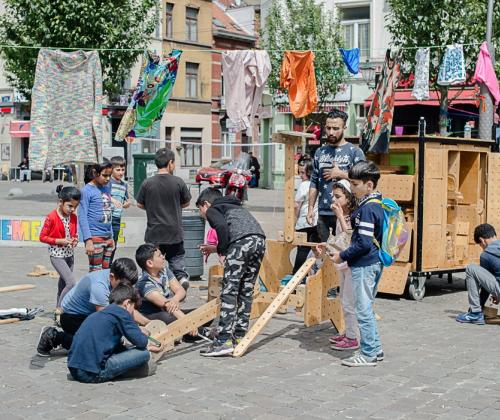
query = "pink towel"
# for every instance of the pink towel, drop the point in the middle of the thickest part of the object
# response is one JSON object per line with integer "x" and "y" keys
{"x": 485, "y": 73}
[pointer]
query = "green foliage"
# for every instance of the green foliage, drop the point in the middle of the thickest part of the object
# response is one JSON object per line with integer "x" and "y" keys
{"x": 305, "y": 25}
{"x": 440, "y": 22}
{"x": 75, "y": 24}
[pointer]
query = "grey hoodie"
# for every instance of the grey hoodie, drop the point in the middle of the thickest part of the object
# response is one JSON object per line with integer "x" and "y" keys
{"x": 490, "y": 259}
{"x": 231, "y": 222}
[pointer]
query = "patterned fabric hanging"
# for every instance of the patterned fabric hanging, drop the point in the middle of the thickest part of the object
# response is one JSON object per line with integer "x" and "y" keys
{"x": 377, "y": 130}
{"x": 66, "y": 106}
{"x": 452, "y": 70}
{"x": 421, "y": 83}
{"x": 151, "y": 96}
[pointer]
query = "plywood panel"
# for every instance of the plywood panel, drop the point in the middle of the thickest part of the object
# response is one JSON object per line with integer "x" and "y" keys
{"x": 397, "y": 187}
{"x": 435, "y": 160}
{"x": 394, "y": 279}
{"x": 493, "y": 190}
{"x": 434, "y": 201}
{"x": 276, "y": 264}
{"x": 433, "y": 246}
{"x": 469, "y": 177}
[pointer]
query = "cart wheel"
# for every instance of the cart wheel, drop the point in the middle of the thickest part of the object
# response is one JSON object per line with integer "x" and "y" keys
{"x": 416, "y": 288}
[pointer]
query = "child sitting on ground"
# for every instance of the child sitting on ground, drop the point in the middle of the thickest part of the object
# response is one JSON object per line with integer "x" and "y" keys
{"x": 362, "y": 257}
{"x": 242, "y": 244}
{"x": 59, "y": 231}
{"x": 160, "y": 291}
{"x": 97, "y": 353}
{"x": 343, "y": 205}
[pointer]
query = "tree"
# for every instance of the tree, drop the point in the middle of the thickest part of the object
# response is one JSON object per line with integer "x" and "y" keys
{"x": 92, "y": 24}
{"x": 305, "y": 25}
{"x": 439, "y": 22}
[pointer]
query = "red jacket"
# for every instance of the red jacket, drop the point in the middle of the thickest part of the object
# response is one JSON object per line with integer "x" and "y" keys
{"x": 53, "y": 228}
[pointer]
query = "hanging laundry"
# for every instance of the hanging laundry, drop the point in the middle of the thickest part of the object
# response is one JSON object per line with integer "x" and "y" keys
{"x": 421, "y": 81}
{"x": 66, "y": 108}
{"x": 245, "y": 76}
{"x": 485, "y": 73}
{"x": 377, "y": 130}
{"x": 351, "y": 59}
{"x": 151, "y": 96}
{"x": 452, "y": 70}
{"x": 298, "y": 77}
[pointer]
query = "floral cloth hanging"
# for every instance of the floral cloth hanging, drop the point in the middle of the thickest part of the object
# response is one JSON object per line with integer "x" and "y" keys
{"x": 377, "y": 130}
{"x": 485, "y": 73}
{"x": 452, "y": 70}
{"x": 421, "y": 82}
{"x": 151, "y": 96}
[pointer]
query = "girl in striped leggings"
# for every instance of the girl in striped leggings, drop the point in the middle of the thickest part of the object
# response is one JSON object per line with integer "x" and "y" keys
{"x": 94, "y": 216}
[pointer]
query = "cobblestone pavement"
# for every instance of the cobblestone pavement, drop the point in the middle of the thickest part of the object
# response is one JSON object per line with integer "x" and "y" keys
{"x": 434, "y": 367}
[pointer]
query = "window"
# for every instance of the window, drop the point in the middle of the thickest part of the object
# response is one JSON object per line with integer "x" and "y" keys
{"x": 168, "y": 137}
{"x": 169, "y": 20}
{"x": 191, "y": 24}
{"x": 356, "y": 22}
{"x": 191, "y": 153}
{"x": 191, "y": 80}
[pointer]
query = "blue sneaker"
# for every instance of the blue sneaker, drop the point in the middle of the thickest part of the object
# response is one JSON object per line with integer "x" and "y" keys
{"x": 471, "y": 318}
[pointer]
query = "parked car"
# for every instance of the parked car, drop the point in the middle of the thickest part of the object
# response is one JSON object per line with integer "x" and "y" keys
{"x": 217, "y": 174}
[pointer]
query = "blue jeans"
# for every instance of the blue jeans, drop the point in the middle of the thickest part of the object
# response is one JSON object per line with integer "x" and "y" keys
{"x": 116, "y": 365}
{"x": 364, "y": 283}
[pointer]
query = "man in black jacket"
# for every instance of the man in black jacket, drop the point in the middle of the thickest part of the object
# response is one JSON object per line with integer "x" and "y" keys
{"x": 241, "y": 243}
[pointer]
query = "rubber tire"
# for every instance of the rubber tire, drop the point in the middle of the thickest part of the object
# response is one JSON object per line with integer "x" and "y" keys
{"x": 414, "y": 293}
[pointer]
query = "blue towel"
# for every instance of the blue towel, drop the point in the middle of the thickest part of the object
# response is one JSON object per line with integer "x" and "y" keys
{"x": 351, "y": 59}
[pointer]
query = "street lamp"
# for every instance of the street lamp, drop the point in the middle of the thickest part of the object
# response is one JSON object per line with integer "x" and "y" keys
{"x": 368, "y": 74}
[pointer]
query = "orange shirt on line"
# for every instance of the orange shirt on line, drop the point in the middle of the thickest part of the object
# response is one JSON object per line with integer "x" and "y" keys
{"x": 297, "y": 76}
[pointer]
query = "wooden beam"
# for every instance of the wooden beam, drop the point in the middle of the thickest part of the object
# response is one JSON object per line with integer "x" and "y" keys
{"x": 282, "y": 296}
{"x": 16, "y": 288}
{"x": 190, "y": 322}
{"x": 9, "y": 321}
{"x": 291, "y": 137}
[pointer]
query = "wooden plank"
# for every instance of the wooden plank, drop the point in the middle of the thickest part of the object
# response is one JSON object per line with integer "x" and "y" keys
{"x": 190, "y": 322}
{"x": 282, "y": 296}
{"x": 469, "y": 177}
{"x": 397, "y": 187}
{"x": 268, "y": 297}
{"x": 275, "y": 264}
{"x": 394, "y": 279}
{"x": 291, "y": 137}
{"x": 16, "y": 288}
{"x": 9, "y": 321}
{"x": 289, "y": 193}
{"x": 493, "y": 190}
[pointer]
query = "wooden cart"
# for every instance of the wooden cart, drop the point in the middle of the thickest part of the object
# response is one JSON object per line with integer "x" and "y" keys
{"x": 446, "y": 186}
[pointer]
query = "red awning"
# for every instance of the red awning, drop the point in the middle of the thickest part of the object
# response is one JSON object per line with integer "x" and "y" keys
{"x": 20, "y": 128}
{"x": 404, "y": 98}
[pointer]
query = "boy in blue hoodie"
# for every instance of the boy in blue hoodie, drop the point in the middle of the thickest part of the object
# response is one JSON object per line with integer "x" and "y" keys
{"x": 483, "y": 280}
{"x": 362, "y": 257}
{"x": 97, "y": 353}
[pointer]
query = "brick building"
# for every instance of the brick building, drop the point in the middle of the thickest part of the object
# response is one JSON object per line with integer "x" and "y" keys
{"x": 228, "y": 34}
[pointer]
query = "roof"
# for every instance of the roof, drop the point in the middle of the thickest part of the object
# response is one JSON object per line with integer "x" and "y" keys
{"x": 222, "y": 22}
{"x": 404, "y": 98}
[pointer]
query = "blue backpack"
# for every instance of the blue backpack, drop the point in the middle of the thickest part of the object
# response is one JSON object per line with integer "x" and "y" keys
{"x": 394, "y": 231}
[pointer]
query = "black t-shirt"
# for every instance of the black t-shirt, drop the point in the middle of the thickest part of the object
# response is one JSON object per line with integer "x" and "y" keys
{"x": 163, "y": 195}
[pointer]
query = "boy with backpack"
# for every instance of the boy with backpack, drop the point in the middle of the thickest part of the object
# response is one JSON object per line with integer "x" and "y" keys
{"x": 363, "y": 259}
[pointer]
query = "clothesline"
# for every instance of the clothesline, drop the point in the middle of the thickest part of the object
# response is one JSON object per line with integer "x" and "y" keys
{"x": 212, "y": 50}
{"x": 193, "y": 143}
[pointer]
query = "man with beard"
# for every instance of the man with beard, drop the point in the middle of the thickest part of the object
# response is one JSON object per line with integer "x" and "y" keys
{"x": 331, "y": 163}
